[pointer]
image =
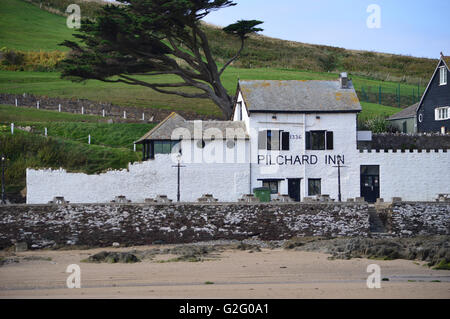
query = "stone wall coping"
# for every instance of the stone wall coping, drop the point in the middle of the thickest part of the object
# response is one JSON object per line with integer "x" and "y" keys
{"x": 391, "y": 151}
{"x": 414, "y": 202}
{"x": 196, "y": 204}
{"x": 227, "y": 204}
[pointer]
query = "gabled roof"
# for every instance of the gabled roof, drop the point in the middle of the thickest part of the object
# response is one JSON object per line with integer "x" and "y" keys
{"x": 446, "y": 61}
{"x": 299, "y": 96}
{"x": 164, "y": 130}
{"x": 406, "y": 113}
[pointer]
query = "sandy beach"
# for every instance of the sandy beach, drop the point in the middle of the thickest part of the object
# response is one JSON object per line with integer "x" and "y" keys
{"x": 269, "y": 273}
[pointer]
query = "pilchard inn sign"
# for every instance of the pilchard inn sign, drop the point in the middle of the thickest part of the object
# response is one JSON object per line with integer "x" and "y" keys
{"x": 282, "y": 160}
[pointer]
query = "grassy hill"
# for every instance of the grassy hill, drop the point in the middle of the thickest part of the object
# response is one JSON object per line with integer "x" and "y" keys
{"x": 75, "y": 127}
{"x": 24, "y": 26}
{"x": 66, "y": 145}
{"x": 49, "y": 84}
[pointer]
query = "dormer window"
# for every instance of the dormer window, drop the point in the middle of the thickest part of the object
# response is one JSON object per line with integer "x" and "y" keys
{"x": 442, "y": 75}
{"x": 239, "y": 109}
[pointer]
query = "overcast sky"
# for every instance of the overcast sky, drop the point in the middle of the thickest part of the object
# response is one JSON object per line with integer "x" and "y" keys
{"x": 419, "y": 28}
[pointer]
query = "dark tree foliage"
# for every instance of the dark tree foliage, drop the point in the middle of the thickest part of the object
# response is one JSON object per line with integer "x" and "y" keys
{"x": 146, "y": 38}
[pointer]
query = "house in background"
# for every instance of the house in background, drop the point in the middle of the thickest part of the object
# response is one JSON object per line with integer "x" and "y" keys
{"x": 432, "y": 113}
{"x": 405, "y": 121}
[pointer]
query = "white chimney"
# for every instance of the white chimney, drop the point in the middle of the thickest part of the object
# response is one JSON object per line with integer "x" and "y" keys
{"x": 343, "y": 78}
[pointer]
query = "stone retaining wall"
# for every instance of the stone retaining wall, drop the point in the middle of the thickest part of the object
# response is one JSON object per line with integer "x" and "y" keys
{"x": 95, "y": 108}
{"x": 419, "y": 219}
{"x": 102, "y": 225}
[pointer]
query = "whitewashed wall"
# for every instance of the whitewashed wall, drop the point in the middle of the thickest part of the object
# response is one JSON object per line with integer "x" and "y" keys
{"x": 227, "y": 182}
{"x": 412, "y": 176}
{"x": 343, "y": 127}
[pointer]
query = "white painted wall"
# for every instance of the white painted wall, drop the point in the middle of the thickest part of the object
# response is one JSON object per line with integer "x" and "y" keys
{"x": 227, "y": 182}
{"x": 411, "y": 176}
{"x": 342, "y": 125}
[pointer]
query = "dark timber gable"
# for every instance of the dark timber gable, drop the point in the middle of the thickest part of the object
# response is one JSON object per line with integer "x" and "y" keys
{"x": 435, "y": 96}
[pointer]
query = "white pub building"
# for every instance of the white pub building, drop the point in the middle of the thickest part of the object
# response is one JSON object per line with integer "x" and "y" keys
{"x": 297, "y": 138}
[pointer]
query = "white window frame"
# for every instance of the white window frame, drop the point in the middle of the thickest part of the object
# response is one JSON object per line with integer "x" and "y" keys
{"x": 442, "y": 113}
{"x": 442, "y": 75}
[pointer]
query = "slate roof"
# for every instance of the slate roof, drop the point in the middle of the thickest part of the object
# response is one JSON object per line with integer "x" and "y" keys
{"x": 299, "y": 96}
{"x": 163, "y": 131}
{"x": 406, "y": 113}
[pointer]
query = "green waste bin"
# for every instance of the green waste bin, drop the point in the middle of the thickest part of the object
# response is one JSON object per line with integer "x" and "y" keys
{"x": 263, "y": 193}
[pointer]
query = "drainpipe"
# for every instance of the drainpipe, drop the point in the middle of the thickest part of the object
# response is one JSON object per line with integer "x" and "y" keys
{"x": 250, "y": 175}
{"x": 305, "y": 182}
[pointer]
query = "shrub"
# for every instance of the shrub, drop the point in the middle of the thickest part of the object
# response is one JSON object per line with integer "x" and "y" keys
{"x": 379, "y": 125}
{"x": 11, "y": 57}
{"x": 30, "y": 61}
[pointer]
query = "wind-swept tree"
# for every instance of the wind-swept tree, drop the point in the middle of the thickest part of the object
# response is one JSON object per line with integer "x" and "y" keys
{"x": 140, "y": 39}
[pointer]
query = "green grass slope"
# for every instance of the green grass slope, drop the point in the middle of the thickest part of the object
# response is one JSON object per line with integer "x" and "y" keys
{"x": 74, "y": 127}
{"x": 23, "y": 26}
{"x": 372, "y": 110}
{"x": 50, "y": 84}
{"x": 12, "y": 114}
{"x": 67, "y": 143}
{"x": 27, "y": 150}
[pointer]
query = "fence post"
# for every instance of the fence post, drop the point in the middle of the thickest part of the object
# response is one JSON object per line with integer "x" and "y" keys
{"x": 125, "y": 115}
{"x": 89, "y": 139}
{"x": 12, "y": 128}
{"x": 379, "y": 94}
{"x": 103, "y": 112}
{"x": 16, "y": 102}
{"x": 82, "y": 110}
{"x": 59, "y": 107}
{"x": 37, "y": 105}
{"x": 134, "y": 147}
{"x": 45, "y": 132}
{"x": 143, "y": 116}
{"x": 398, "y": 96}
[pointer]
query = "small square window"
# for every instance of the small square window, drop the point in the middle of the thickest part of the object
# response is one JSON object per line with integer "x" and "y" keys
{"x": 314, "y": 187}
{"x": 318, "y": 140}
{"x": 272, "y": 185}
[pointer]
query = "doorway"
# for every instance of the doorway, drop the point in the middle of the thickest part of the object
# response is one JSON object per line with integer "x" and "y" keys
{"x": 294, "y": 188}
{"x": 370, "y": 183}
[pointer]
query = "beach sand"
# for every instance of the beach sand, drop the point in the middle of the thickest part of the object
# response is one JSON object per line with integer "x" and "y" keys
{"x": 237, "y": 274}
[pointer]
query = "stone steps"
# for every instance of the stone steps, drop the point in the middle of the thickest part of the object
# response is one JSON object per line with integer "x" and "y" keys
{"x": 376, "y": 225}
